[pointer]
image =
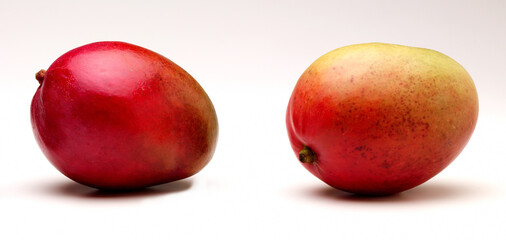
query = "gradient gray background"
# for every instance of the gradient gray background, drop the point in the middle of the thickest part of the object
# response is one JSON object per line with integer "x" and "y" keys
{"x": 248, "y": 56}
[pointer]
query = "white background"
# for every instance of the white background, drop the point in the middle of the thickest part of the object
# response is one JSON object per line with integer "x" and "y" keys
{"x": 248, "y": 56}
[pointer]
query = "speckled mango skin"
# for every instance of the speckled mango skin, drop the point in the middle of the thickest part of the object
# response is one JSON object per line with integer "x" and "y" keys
{"x": 381, "y": 118}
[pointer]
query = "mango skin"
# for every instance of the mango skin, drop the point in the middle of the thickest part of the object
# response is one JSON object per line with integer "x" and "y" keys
{"x": 116, "y": 116}
{"x": 381, "y": 118}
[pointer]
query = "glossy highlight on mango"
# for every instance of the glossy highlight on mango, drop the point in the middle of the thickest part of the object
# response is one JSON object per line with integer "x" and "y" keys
{"x": 113, "y": 115}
